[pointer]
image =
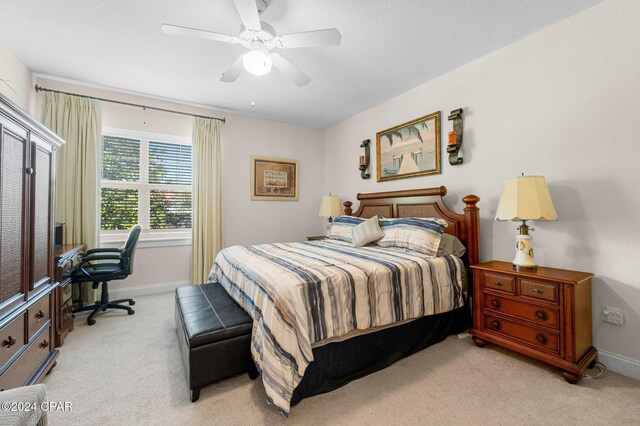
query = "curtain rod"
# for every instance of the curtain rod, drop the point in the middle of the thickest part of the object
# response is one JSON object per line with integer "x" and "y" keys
{"x": 43, "y": 89}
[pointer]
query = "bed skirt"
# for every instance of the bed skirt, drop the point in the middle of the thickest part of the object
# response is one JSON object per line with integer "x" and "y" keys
{"x": 336, "y": 364}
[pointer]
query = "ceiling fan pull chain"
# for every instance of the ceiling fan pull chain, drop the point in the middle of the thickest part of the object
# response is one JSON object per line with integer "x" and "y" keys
{"x": 252, "y": 103}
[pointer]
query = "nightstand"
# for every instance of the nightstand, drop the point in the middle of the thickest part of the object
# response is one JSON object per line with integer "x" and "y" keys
{"x": 543, "y": 313}
{"x": 316, "y": 238}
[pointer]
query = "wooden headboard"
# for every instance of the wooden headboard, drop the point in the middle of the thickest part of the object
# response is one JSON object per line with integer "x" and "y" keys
{"x": 425, "y": 202}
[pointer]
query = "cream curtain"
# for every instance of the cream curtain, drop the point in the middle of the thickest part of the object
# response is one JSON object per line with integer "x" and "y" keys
{"x": 207, "y": 198}
{"x": 77, "y": 121}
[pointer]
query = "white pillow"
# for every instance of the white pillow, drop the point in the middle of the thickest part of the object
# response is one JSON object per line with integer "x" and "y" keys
{"x": 367, "y": 232}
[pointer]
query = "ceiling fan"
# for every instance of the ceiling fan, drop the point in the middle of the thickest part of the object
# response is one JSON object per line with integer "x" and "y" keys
{"x": 260, "y": 38}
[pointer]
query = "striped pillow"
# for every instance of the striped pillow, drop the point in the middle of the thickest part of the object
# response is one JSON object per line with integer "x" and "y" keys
{"x": 413, "y": 233}
{"x": 342, "y": 228}
{"x": 367, "y": 232}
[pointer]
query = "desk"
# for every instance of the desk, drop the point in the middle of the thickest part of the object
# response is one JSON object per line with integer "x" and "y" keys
{"x": 67, "y": 258}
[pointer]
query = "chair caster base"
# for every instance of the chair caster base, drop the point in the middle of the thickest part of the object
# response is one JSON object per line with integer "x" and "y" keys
{"x": 131, "y": 312}
{"x": 91, "y": 321}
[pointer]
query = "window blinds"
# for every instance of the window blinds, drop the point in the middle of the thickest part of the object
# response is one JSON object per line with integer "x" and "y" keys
{"x": 145, "y": 181}
{"x": 169, "y": 163}
{"x": 120, "y": 159}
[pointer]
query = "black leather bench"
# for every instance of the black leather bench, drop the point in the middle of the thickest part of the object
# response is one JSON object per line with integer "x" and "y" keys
{"x": 214, "y": 334}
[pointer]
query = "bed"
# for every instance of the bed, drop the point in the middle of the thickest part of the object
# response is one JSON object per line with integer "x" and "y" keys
{"x": 326, "y": 313}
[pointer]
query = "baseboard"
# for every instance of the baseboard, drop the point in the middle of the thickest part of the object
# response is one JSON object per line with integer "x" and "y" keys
{"x": 619, "y": 364}
{"x": 143, "y": 290}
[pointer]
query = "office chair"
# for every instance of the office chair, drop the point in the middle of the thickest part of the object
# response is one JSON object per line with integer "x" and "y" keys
{"x": 105, "y": 272}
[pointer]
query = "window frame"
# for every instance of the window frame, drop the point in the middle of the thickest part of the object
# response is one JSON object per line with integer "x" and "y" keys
{"x": 154, "y": 237}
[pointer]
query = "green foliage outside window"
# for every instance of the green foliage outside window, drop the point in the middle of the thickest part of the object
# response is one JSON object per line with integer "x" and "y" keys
{"x": 119, "y": 209}
{"x": 120, "y": 159}
{"x": 170, "y": 210}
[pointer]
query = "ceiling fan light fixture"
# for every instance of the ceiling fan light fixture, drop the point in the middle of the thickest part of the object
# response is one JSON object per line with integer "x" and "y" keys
{"x": 257, "y": 62}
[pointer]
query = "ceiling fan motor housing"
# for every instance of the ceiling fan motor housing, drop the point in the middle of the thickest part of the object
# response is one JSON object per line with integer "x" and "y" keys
{"x": 263, "y": 39}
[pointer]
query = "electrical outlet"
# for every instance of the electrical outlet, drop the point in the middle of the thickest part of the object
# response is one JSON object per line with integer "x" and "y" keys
{"x": 612, "y": 315}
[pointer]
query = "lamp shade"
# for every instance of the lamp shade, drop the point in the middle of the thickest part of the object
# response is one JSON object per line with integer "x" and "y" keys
{"x": 526, "y": 198}
{"x": 330, "y": 206}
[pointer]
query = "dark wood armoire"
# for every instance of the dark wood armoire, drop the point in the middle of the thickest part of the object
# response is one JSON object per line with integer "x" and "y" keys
{"x": 27, "y": 177}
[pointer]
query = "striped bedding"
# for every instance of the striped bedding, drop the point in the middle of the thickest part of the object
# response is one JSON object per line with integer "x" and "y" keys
{"x": 299, "y": 294}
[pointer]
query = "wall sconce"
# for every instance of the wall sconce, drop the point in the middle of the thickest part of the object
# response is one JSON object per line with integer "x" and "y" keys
{"x": 455, "y": 137}
{"x": 365, "y": 159}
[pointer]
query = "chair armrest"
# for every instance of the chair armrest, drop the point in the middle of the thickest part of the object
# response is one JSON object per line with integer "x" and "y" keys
{"x": 92, "y": 257}
{"x": 103, "y": 250}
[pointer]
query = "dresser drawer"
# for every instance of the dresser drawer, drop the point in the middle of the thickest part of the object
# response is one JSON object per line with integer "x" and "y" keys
{"x": 540, "y": 339}
{"x": 65, "y": 291}
{"x": 38, "y": 316}
{"x": 499, "y": 282}
{"x": 11, "y": 340}
{"x": 31, "y": 358}
{"x": 537, "y": 314}
{"x": 542, "y": 290}
{"x": 66, "y": 314}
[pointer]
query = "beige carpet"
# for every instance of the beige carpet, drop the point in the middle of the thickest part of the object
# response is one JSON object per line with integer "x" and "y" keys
{"x": 127, "y": 370}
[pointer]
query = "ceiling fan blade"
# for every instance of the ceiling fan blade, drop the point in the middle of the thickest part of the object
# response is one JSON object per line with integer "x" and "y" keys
{"x": 248, "y": 14}
{"x": 193, "y": 32}
{"x": 290, "y": 70}
{"x": 233, "y": 72}
{"x": 328, "y": 37}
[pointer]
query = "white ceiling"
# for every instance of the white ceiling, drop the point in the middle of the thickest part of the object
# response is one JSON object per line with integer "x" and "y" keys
{"x": 388, "y": 47}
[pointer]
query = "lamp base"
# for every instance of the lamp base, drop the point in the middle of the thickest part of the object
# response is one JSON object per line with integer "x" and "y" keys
{"x": 524, "y": 249}
{"x": 328, "y": 229}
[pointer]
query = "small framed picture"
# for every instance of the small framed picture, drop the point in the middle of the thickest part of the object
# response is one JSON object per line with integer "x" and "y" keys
{"x": 274, "y": 179}
{"x": 410, "y": 149}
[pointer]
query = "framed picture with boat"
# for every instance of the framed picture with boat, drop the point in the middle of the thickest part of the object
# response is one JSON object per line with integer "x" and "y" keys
{"x": 274, "y": 179}
{"x": 410, "y": 149}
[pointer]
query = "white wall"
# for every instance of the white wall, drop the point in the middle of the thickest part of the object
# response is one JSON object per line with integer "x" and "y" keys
{"x": 562, "y": 103}
{"x": 15, "y": 79}
{"x": 244, "y": 221}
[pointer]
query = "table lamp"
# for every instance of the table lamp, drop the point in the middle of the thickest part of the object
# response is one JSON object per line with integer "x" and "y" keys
{"x": 330, "y": 207}
{"x": 525, "y": 198}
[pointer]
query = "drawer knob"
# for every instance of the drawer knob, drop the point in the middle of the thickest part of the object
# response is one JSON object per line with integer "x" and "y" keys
{"x": 495, "y": 303}
{"x": 44, "y": 344}
{"x": 8, "y": 342}
{"x": 496, "y": 282}
{"x": 541, "y": 315}
{"x": 540, "y": 338}
{"x": 40, "y": 314}
{"x": 496, "y": 325}
{"x": 537, "y": 291}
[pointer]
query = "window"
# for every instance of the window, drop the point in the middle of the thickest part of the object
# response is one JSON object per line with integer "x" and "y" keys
{"x": 146, "y": 179}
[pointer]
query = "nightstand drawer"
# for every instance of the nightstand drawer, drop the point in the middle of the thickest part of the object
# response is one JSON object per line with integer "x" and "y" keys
{"x": 539, "y": 289}
{"x": 537, "y": 314}
{"x": 499, "y": 282}
{"x": 538, "y": 338}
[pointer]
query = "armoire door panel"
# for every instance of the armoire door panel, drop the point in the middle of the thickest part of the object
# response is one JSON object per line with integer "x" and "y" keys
{"x": 42, "y": 226}
{"x": 12, "y": 222}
